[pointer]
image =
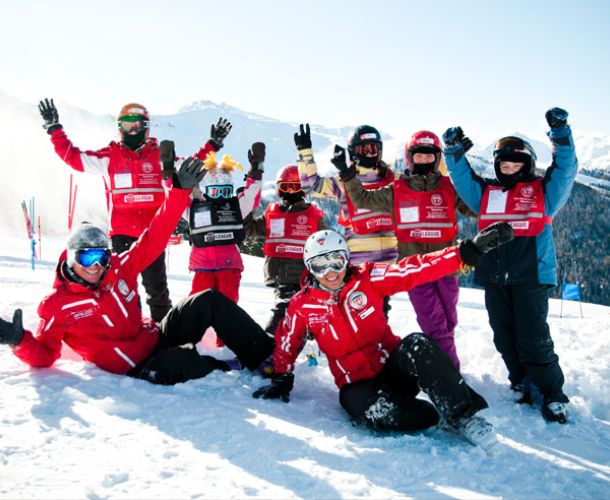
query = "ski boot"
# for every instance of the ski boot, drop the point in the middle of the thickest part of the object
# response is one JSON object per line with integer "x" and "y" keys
{"x": 479, "y": 432}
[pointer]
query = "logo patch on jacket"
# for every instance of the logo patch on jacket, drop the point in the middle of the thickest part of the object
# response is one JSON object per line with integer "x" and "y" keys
{"x": 379, "y": 270}
{"x": 357, "y": 300}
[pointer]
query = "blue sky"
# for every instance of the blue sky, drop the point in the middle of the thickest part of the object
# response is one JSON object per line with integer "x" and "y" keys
{"x": 491, "y": 66}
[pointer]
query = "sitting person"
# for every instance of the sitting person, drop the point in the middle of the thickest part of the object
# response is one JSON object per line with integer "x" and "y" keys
{"x": 378, "y": 374}
{"x": 95, "y": 308}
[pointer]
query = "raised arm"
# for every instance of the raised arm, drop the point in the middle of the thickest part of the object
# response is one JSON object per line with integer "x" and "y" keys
{"x": 467, "y": 183}
{"x": 559, "y": 177}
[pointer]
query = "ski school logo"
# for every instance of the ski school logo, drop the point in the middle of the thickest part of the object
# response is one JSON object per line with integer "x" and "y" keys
{"x": 147, "y": 168}
{"x": 123, "y": 288}
{"x": 357, "y": 300}
{"x": 527, "y": 191}
{"x": 302, "y": 219}
{"x": 437, "y": 199}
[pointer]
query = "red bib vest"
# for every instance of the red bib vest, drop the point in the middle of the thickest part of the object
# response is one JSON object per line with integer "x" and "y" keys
{"x": 425, "y": 216}
{"x": 522, "y": 207}
{"x": 286, "y": 232}
{"x": 365, "y": 221}
{"x": 135, "y": 184}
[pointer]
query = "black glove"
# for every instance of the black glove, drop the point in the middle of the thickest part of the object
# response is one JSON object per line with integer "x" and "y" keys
{"x": 557, "y": 117}
{"x": 190, "y": 174}
{"x": 256, "y": 157}
{"x": 302, "y": 139}
{"x": 219, "y": 132}
{"x": 12, "y": 333}
{"x": 280, "y": 387}
{"x": 49, "y": 114}
{"x": 454, "y": 136}
{"x": 489, "y": 238}
{"x": 167, "y": 154}
{"x": 183, "y": 229}
{"x": 339, "y": 161}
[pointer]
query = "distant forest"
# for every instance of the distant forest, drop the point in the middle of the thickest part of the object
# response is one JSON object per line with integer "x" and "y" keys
{"x": 582, "y": 241}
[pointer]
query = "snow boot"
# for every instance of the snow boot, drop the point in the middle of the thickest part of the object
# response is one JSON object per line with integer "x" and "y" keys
{"x": 523, "y": 392}
{"x": 233, "y": 364}
{"x": 555, "y": 411}
{"x": 479, "y": 432}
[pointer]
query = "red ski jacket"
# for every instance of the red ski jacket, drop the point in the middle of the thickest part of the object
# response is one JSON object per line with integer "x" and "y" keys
{"x": 104, "y": 325}
{"x": 132, "y": 179}
{"x": 350, "y": 327}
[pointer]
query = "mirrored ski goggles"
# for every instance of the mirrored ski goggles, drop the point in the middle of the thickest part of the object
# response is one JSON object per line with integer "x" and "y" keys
{"x": 133, "y": 126}
{"x": 223, "y": 191}
{"x": 369, "y": 149}
{"x": 289, "y": 187}
{"x": 333, "y": 261}
{"x": 88, "y": 257}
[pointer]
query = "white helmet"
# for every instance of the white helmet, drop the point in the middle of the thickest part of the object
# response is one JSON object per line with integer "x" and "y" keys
{"x": 324, "y": 242}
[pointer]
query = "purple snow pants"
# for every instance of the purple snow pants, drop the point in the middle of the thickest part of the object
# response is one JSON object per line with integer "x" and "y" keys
{"x": 435, "y": 304}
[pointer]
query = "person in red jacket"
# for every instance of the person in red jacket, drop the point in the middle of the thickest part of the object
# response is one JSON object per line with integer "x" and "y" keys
{"x": 132, "y": 175}
{"x": 378, "y": 374}
{"x": 94, "y": 308}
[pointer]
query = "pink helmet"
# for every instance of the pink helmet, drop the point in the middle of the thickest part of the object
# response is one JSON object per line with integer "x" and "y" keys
{"x": 423, "y": 141}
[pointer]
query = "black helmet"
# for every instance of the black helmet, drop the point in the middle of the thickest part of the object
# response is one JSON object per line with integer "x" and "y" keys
{"x": 514, "y": 149}
{"x": 365, "y": 146}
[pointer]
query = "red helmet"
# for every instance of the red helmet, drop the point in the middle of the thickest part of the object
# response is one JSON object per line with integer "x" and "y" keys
{"x": 423, "y": 141}
{"x": 288, "y": 180}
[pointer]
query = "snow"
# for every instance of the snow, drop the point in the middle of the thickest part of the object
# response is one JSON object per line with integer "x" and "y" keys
{"x": 74, "y": 431}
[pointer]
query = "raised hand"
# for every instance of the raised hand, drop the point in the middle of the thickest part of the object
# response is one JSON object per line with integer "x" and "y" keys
{"x": 454, "y": 136}
{"x": 302, "y": 139}
{"x": 219, "y": 132}
{"x": 49, "y": 114}
{"x": 557, "y": 117}
{"x": 190, "y": 174}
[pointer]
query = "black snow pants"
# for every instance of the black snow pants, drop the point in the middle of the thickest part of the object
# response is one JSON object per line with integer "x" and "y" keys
{"x": 283, "y": 294}
{"x": 154, "y": 279}
{"x": 517, "y": 316}
{"x": 387, "y": 402}
{"x": 175, "y": 358}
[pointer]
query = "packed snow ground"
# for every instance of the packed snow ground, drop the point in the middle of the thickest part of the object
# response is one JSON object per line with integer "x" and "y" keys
{"x": 74, "y": 431}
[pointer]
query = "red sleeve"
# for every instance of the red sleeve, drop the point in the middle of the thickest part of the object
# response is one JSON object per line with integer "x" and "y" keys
{"x": 44, "y": 349}
{"x": 412, "y": 271}
{"x": 95, "y": 162}
{"x": 288, "y": 338}
{"x": 153, "y": 240}
{"x": 203, "y": 152}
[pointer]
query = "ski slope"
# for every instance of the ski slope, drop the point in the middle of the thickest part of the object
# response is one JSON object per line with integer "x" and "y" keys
{"x": 74, "y": 431}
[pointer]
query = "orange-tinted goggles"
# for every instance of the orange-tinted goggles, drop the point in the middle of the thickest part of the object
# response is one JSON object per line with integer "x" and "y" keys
{"x": 289, "y": 187}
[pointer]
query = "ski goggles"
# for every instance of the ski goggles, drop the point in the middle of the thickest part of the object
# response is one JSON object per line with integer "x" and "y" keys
{"x": 320, "y": 265}
{"x": 134, "y": 127}
{"x": 368, "y": 149}
{"x": 289, "y": 187}
{"x": 216, "y": 192}
{"x": 88, "y": 257}
{"x": 510, "y": 145}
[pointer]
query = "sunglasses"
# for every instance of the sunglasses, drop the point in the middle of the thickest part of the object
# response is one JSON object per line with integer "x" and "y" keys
{"x": 88, "y": 257}
{"x": 133, "y": 126}
{"x": 320, "y": 265}
{"x": 289, "y": 187}
{"x": 215, "y": 192}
